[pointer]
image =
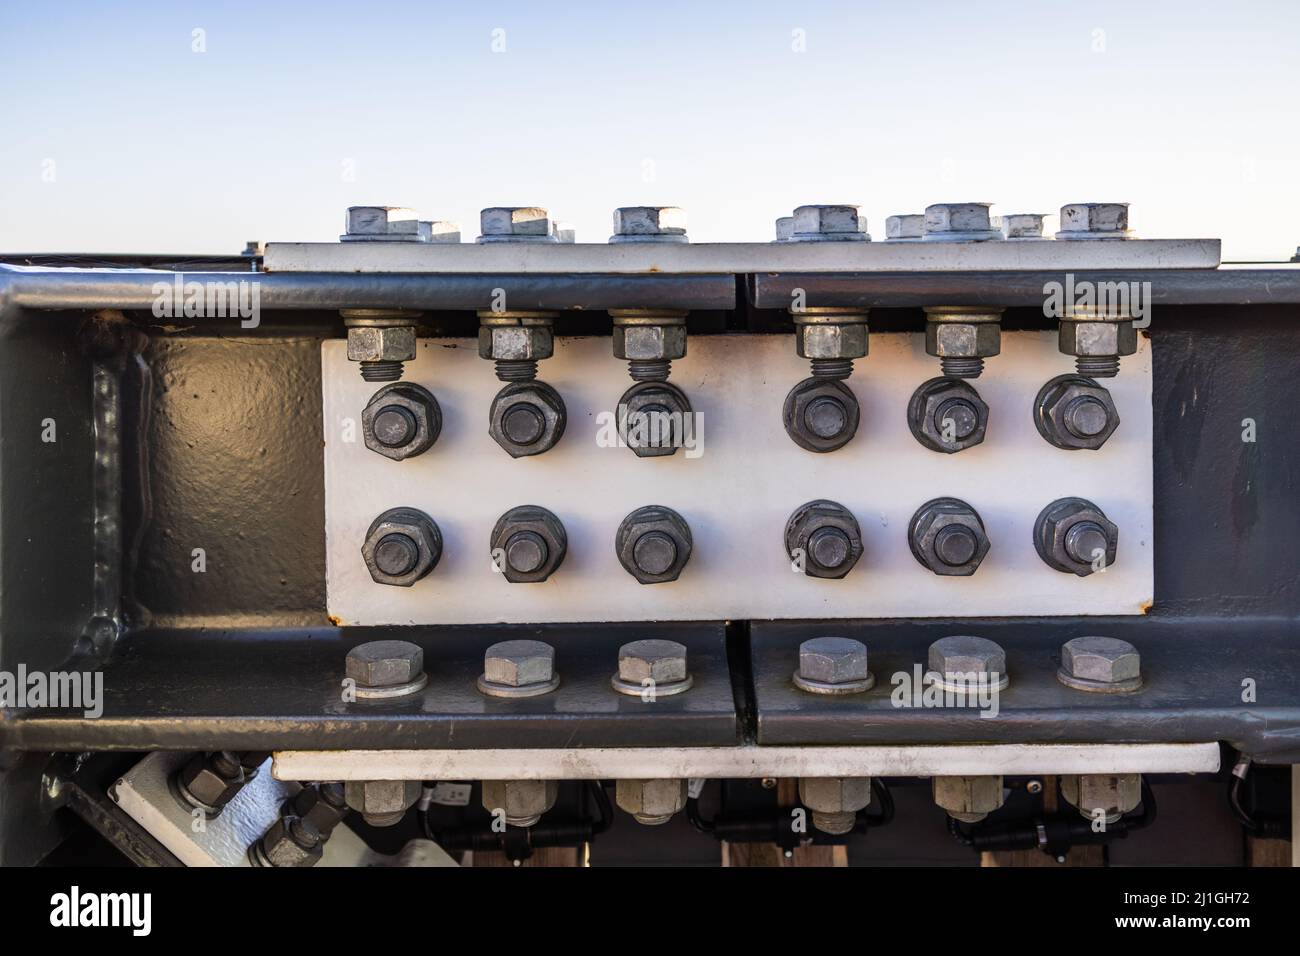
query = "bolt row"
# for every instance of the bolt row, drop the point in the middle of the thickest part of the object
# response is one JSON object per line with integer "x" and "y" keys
{"x": 822, "y": 538}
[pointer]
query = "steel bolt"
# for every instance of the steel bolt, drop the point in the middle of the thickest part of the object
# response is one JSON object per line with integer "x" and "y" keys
{"x": 401, "y": 420}
{"x": 965, "y": 661}
{"x": 515, "y": 224}
{"x": 785, "y": 228}
{"x": 959, "y": 222}
{"x": 836, "y": 223}
{"x": 402, "y": 545}
{"x": 835, "y": 801}
{"x": 909, "y": 227}
{"x": 382, "y": 803}
{"x": 1104, "y": 665}
{"x": 521, "y": 802}
{"x": 947, "y": 415}
{"x": 947, "y": 537}
{"x": 528, "y": 544}
{"x": 821, "y": 414}
{"x": 386, "y": 669}
{"x": 210, "y": 780}
{"x": 653, "y": 544}
{"x": 1022, "y": 225}
{"x": 962, "y": 337}
{"x": 1094, "y": 220}
{"x": 519, "y": 669}
{"x": 649, "y": 224}
{"x": 323, "y": 805}
{"x": 833, "y": 666}
{"x": 1073, "y": 412}
{"x": 825, "y": 537}
{"x": 651, "y": 802}
{"x": 1073, "y": 535}
{"x": 968, "y": 799}
{"x": 1106, "y": 795}
{"x": 291, "y": 841}
{"x": 652, "y": 668}
{"x": 381, "y": 341}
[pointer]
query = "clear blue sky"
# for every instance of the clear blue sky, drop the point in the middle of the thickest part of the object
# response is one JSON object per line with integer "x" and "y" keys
{"x": 115, "y": 135}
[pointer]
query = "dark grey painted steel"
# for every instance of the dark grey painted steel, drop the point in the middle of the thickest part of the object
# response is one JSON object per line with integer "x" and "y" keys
{"x": 209, "y": 689}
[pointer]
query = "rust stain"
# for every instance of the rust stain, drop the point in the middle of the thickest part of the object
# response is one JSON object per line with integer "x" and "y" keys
{"x": 336, "y": 620}
{"x": 1146, "y": 607}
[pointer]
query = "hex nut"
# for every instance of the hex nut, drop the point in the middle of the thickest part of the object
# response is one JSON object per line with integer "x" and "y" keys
{"x": 943, "y": 407}
{"x": 833, "y": 223}
{"x": 909, "y": 226}
{"x": 835, "y": 801}
{"x": 660, "y": 661}
{"x": 401, "y": 420}
{"x": 518, "y": 668}
{"x": 785, "y": 229}
{"x": 947, "y": 537}
{"x": 1073, "y": 412}
{"x": 649, "y": 343}
{"x": 291, "y": 841}
{"x": 528, "y": 544}
{"x": 381, "y": 803}
{"x": 378, "y": 665}
{"x": 1100, "y": 664}
{"x": 1069, "y": 532}
{"x": 522, "y": 802}
{"x": 821, "y": 414}
{"x": 824, "y": 340}
{"x": 515, "y": 224}
{"x": 402, "y": 545}
{"x": 209, "y": 781}
{"x": 968, "y": 799}
{"x": 380, "y": 222}
{"x": 953, "y": 333}
{"x": 656, "y": 419}
{"x": 649, "y": 224}
{"x": 1097, "y": 337}
{"x": 382, "y": 343}
{"x": 651, "y": 802}
{"x": 527, "y": 418}
{"x": 653, "y": 544}
{"x": 1111, "y": 795}
{"x": 1094, "y": 220}
{"x": 959, "y": 222}
{"x": 1022, "y": 225}
{"x": 833, "y": 666}
{"x": 323, "y": 805}
{"x": 964, "y": 661}
{"x": 516, "y": 342}
{"x": 825, "y": 537}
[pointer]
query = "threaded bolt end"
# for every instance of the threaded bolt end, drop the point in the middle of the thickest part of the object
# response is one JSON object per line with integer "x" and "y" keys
{"x": 836, "y": 824}
{"x": 954, "y": 367}
{"x": 381, "y": 371}
{"x": 1097, "y": 366}
{"x": 832, "y": 368}
{"x": 515, "y": 370}
{"x": 649, "y": 370}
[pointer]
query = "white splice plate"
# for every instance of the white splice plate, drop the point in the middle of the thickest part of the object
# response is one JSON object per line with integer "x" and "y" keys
{"x": 738, "y": 494}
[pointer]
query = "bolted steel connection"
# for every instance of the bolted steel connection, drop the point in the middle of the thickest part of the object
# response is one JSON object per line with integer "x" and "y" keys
{"x": 1073, "y": 412}
{"x": 381, "y": 670}
{"x": 947, "y": 415}
{"x": 823, "y": 538}
{"x": 515, "y": 224}
{"x": 516, "y": 669}
{"x": 962, "y": 337}
{"x": 649, "y": 340}
{"x": 528, "y": 544}
{"x": 323, "y": 805}
{"x": 965, "y": 662}
{"x": 653, "y": 544}
{"x": 833, "y": 223}
{"x": 833, "y": 666}
{"x": 651, "y": 802}
{"x": 209, "y": 781}
{"x": 652, "y": 668}
{"x": 830, "y": 337}
{"x": 1094, "y": 220}
{"x": 520, "y": 802}
{"x": 401, "y": 546}
{"x": 649, "y": 224}
{"x": 1073, "y": 535}
{"x": 835, "y": 801}
{"x": 381, "y": 340}
{"x": 384, "y": 224}
{"x": 381, "y": 803}
{"x": 968, "y": 799}
{"x": 1097, "y": 338}
{"x": 959, "y": 222}
{"x": 947, "y": 536}
{"x": 401, "y": 420}
{"x": 821, "y": 413}
{"x": 291, "y": 841}
{"x": 1098, "y": 795}
{"x": 1104, "y": 665}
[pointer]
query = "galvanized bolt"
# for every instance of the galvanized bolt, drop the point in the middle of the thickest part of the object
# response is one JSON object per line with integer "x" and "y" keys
{"x": 785, "y": 228}
{"x": 1103, "y": 665}
{"x": 947, "y": 415}
{"x": 515, "y": 224}
{"x": 381, "y": 341}
{"x": 383, "y": 224}
{"x": 649, "y": 224}
{"x": 649, "y": 340}
{"x": 402, "y": 545}
{"x": 968, "y": 799}
{"x": 652, "y": 668}
{"x": 959, "y": 222}
{"x": 382, "y": 803}
{"x": 1073, "y": 412}
{"x": 386, "y": 669}
{"x": 834, "y": 666}
{"x": 209, "y": 781}
{"x": 909, "y": 227}
{"x": 528, "y": 544}
{"x": 824, "y": 538}
{"x": 516, "y": 669}
{"x": 653, "y": 544}
{"x": 520, "y": 802}
{"x": 834, "y": 223}
{"x": 323, "y": 805}
{"x": 947, "y": 537}
{"x": 962, "y": 337}
{"x": 1094, "y": 220}
{"x": 1022, "y": 225}
{"x": 651, "y": 802}
{"x": 965, "y": 662}
{"x": 835, "y": 801}
{"x": 291, "y": 841}
{"x": 1073, "y": 535}
{"x": 1108, "y": 796}
{"x": 401, "y": 420}
{"x": 1098, "y": 339}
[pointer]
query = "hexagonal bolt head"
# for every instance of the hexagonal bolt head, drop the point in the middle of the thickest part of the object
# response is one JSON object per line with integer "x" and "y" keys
{"x": 527, "y": 418}
{"x": 1023, "y": 225}
{"x": 966, "y": 659}
{"x": 528, "y": 544}
{"x": 515, "y": 224}
{"x": 1094, "y": 220}
{"x": 968, "y": 799}
{"x": 402, "y": 545}
{"x": 323, "y": 805}
{"x": 821, "y": 414}
{"x": 210, "y": 780}
{"x": 784, "y": 228}
{"x": 834, "y": 223}
{"x": 655, "y": 419}
{"x": 831, "y": 341}
{"x": 835, "y": 801}
{"x": 384, "y": 664}
{"x": 1074, "y": 412}
{"x": 519, "y": 663}
{"x": 642, "y": 343}
{"x": 382, "y": 803}
{"x": 908, "y": 226}
{"x": 1097, "y": 343}
{"x": 649, "y": 224}
{"x": 381, "y": 350}
{"x": 833, "y": 660}
{"x": 947, "y": 537}
{"x": 1104, "y": 664}
{"x": 824, "y": 537}
{"x": 658, "y": 661}
{"x": 291, "y": 841}
{"x": 651, "y": 802}
{"x": 516, "y": 342}
{"x": 962, "y": 338}
{"x": 653, "y": 544}
{"x": 1108, "y": 795}
{"x": 947, "y": 415}
{"x": 521, "y": 801}
{"x": 1073, "y": 535}
{"x": 962, "y": 221}
{"x": 401, "y": 420}
{"x": 379, "y": 222}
